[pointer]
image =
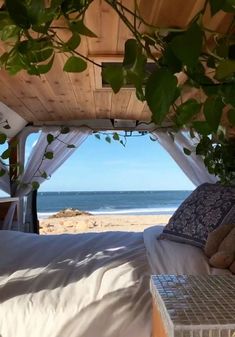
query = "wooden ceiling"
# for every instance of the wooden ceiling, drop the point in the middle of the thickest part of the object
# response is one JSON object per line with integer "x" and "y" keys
{"x": 59, "y": 96}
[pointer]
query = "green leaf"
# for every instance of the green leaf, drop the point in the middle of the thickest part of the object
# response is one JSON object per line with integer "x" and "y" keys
{"x": 2, "y": 172}
{"x": 222, "y": 48}
{"x": 44, "y": 175}
{"x": 18, "y": 13}
{"x": 73, "y": 42}
{"x": 171, "y": 60}
{"x": 7, "y": 127}
{"x": 50, "y": 138}
{"x": 213, "y": 109}
{"x": 3, "y": 138}
{"x": 35, "y": 51}
{"x": 44, "y": 17}
{"x": 226, "y": 68}
{"x": 56, "y": 3}
{"x": 35, "y": 185}
{"x": 188, "y": 46}
{"x": 5, "y": 19}
{"x": 35, "y": 11}
{"x": 136, "y": 74}
{"x": 71, "y": 6}
{"x": 227, "y": 91}
{"x": 64, "y": 130}
{"x": 9, "y": 32}
{"x": 231, "y": 52}
{"x": 130, "y": 54}
{"x": 75, "y": 65}
{"x": 211, "y": 89}
{"x": 49, "y": 155}
{"x": 71, "y": 146}
{"x": 229, "y": 6}
{"x": 3, "y": 59}
{"x": 160, "y": 93}
{"x": 187, "y": 151}
{"x": 114, "y": 76}
{"x": 14, "y": 63}
{"x": 186, "y": 111}
{"x": 80, "y": 28}
{"x": 216, "y": 5}
{"x": 116, "y": 136}
{"x": 108, "y": 139}
{"x": 97, "y": 136}
{"x": 40, "y": 69}
{"x": 198, "y": 77}
{"x": 231, "y": 116}
{"x": 202, "y": 128}
{"x": 7, "y": 27}
{"x": 139, "y": 92}
{"x": 211, "y": 62}
{"x": 6, "y": 154}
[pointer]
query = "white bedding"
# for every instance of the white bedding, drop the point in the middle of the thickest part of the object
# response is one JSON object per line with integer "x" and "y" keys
{"x": 85, "y": 285}
{"x": 168, "y": 257}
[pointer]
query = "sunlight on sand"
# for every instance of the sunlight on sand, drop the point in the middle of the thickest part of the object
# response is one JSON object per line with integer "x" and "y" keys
{"x": 101, "y": 223}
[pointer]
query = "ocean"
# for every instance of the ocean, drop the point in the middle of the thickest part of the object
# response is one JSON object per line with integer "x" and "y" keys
{"x": 123, "y": 202}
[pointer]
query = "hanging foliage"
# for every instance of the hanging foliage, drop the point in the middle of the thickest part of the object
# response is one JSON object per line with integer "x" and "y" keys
{"x": 206, "y": 59}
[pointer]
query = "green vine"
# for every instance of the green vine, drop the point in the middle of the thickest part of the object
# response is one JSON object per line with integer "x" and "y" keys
{"x": 204, "y": 57}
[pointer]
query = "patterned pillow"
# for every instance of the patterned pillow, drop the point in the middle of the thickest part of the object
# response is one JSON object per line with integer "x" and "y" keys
{"x": 208, "y": 207}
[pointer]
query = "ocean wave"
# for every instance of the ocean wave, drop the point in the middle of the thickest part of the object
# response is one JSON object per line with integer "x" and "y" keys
{"x": 131, "y": 211}
{"x": 45, "y": 215}
{"x": 134, "y": 211}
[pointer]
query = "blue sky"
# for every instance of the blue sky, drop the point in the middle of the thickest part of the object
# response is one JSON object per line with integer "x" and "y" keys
{"x": 99, "y": 166}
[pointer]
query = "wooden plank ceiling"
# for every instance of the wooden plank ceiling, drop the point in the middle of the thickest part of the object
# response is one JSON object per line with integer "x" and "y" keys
{"x": 59, "y": 96}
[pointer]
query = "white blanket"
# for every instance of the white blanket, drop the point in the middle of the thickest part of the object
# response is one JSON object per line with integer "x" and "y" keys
{"x": 85, "y": 285}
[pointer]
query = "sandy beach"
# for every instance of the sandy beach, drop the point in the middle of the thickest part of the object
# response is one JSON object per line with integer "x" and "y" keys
{"x": 101, "y": 223}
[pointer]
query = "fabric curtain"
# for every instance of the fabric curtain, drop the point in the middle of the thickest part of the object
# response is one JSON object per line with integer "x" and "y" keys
{"x": 5, "y": 179}
{"x": 192, "y": 165}
{"x": 37, "y": 163}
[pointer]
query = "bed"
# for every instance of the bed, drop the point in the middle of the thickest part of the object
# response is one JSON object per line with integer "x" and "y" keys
{"x": 86, "y": 285}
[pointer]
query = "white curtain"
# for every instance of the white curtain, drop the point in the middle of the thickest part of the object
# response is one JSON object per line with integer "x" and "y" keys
{"x": 192, "y": 165}
{"x": 37, "y": 163}
{"x": 60, "y": 150}
{"x": 4, "y": 180}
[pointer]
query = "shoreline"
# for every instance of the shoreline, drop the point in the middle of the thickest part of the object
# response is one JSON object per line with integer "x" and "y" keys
{"x": 101, "y": 223}
{"x": 160, "y": 212}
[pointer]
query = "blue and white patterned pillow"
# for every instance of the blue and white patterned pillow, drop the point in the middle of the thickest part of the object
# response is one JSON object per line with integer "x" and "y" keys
{"x": 208, "y": 207}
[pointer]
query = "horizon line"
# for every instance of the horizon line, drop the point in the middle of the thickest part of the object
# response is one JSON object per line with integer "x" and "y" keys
{"x": 117, "y": 191}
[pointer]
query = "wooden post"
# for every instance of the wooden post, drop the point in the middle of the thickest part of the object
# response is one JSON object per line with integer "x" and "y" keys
{"x": 13, "y": 174}
{"x": 34, "y": 212}
{"x": 13, "y": 159}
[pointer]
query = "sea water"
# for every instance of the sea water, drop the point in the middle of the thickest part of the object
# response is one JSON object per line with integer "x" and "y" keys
{"x": 121, "y": 202}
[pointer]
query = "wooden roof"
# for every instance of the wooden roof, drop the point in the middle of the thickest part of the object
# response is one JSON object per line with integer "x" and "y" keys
{"x": 59, "y": 96}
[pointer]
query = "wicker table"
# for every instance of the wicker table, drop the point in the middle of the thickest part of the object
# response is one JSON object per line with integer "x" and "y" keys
{"x": 193, "y": 306}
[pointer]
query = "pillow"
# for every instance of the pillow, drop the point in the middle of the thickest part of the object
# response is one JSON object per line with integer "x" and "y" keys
{"x": 208, "y": 207}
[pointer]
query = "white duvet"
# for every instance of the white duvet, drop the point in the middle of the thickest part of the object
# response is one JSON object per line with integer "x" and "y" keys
{"x": 85, "y": 285}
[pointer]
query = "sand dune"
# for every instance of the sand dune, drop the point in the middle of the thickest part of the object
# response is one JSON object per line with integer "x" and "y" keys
{"x": 100, "y": 223}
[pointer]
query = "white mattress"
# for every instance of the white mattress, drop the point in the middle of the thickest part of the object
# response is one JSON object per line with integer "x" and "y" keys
{"x": 85, "y": 285}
